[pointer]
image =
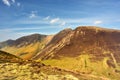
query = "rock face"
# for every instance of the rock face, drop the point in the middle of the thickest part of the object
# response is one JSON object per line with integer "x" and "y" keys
{"x": 95, "y": 41}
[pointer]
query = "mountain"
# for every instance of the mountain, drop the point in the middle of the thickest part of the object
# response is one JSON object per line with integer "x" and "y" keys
{"x": 96, "y": 41}
{"x": 84, "y": 50}
{"x": 87, "y": 50}
{"x": 6, "y": 57}
{"x": 53, "y": 43}
{"x": 5, "y": 43}
{"x": 27, "y": 46}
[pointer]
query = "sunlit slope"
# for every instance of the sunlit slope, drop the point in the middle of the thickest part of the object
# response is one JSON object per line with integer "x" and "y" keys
{"x": 83, "y": 65}
{"x": 25, "y": 52}
{"x": 28, "y": 46}
{"x": 95, "y": 41}
{"x": 87, "y": 50}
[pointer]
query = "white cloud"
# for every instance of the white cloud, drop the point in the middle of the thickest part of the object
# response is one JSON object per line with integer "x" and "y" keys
{"x": 63, "y": 23}
{"x": 18, "y": 4}
{"x": 97, "y": 22}
{"x": 6, "y": 2}
{"x": 11, "y": 2}
{"x": 33, "y": 14}
{"x": 54, "y": 20}
{"x": 47, "y": 18}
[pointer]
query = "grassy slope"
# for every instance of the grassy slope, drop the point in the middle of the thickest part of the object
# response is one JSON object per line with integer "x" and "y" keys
{"x": 25, "y": 52}
{"x": 37, "y": 71}
{"x": 82, "y": 64}
{"x": 28, "y": 51}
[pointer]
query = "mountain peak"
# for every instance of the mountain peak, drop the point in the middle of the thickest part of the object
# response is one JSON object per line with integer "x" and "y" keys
{"x": 60, "y": 35}
{"x": 67, "y": 29}
{"x": 89, "y": 28}
{"x": 95, "y": 28}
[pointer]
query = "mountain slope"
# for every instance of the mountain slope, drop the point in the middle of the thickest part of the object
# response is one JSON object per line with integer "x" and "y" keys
{"x": 85, "y": 48}
{"x": 53, "y": 43}
{"x": 5, "y": 43}
{"x": 26, "y": 47}
{"x": 93, "y": 40}
{"x": 6, "y": 57}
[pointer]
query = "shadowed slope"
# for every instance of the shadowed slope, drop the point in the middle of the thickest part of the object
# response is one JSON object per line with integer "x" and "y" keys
{"x": 6, "y": 57}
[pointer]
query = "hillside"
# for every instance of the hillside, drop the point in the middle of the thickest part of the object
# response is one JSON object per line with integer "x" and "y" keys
{"x": 6, "y": 57}
{"x": 96, "y": 41}
{"x": 90, "y": 51}
{"x": 85, "y": 48}
{"x": 27, "y": 46}
{"x": 39, "y": 71}
{"x": 5, "y": 43}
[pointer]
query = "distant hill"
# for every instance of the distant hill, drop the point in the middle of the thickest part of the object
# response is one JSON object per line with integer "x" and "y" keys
{"x": 7, "y": 57}
{"x": 23, "y": 41}
{"x": 5, "y": 43}
{"x": 26, "y": 40}
{"x": 27, "y": 46}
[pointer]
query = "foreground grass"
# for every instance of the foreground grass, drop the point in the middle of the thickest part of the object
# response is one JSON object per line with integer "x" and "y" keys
{"x": 82, "y": 64}
{"x": 31, "y": 71}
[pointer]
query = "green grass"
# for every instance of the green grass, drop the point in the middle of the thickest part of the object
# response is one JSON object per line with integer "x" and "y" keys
{"x": 25, "y": 52}
{"x": 84, "y": 65}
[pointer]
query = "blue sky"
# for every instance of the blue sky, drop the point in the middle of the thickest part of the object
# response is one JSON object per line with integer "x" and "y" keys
{"x": 24, "y": 17}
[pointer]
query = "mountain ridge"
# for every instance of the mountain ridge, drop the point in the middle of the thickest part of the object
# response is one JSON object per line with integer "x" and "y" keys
{"x": 87, "y": 50}
{"x": 95, "y": 41}
{"x": 26, "y": 46}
